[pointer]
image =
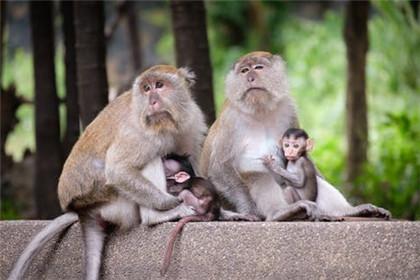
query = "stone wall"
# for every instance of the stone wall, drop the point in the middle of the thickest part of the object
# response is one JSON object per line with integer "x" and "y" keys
{"x": 235, "y": 250}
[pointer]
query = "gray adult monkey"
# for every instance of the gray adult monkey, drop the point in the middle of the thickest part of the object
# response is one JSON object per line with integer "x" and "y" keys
{"x": 257, "y": 112}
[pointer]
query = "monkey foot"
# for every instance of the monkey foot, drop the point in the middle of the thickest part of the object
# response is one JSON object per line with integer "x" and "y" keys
{"x": 370, "y": 210}
{"x": 244, "y": 217}
{"x": 328, "y": 218}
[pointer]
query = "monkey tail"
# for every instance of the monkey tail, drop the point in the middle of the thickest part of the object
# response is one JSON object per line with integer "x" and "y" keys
{"x": 33, "y": 248}
{"x": 172, "y": 236}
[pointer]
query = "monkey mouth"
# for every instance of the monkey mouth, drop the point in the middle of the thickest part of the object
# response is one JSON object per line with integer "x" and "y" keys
{"x": 256, "y": 95}
{"x": 291, "y": 158}
{"x": 252, "y": 90}
{"x": 161, "y": 119}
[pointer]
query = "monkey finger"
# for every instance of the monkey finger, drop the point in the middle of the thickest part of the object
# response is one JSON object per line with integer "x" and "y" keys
{"x": 187, "y": 210}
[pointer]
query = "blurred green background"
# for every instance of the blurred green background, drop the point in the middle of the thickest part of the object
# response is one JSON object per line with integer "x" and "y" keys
{"x": 315, "y": 54}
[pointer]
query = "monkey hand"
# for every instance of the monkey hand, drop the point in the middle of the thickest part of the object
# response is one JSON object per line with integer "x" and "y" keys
{"x": 186, "y": 210}
{"x": 168, "y": 202}
{"x": 268, "y": 161}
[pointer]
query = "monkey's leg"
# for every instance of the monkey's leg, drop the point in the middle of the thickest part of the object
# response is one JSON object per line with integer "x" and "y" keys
{"x": 302, "y": 209}
{"x": 291, "y": 195}
{"x": 233, "y": 190}
{"x": 296, "y": 211}
{"x": 93, "y": 237}
{"x": 152, "y": 217}
{"x": 227, "y": 215}
{"x": 368, "y": 210}
{"x": 330, "y": 201}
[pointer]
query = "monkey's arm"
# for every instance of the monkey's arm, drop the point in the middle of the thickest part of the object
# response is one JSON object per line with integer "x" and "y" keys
{"x": 152, "y": 217}
{"x": 130, "y": 183}
{"x": 296, "y": 179}
{"x": 232, "y": 189}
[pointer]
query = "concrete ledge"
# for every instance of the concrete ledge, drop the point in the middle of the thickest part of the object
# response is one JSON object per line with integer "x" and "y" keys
{"x": 236, "y": 250}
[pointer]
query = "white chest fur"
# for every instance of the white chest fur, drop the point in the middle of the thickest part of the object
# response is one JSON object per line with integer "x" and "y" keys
{"x": 153, "y": 171}
{"x": 255, "y": 141}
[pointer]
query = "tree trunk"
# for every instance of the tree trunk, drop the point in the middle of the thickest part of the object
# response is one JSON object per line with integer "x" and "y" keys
{"x": 92, "y": 83}
{"x": 2, "y": 24}
{"x": 356, "y": 38}
{"x": 133, "y": 35}
{"x": 48, "y": 160}
{"x": 192, "y": 50}
{"x": 72, "y": 104}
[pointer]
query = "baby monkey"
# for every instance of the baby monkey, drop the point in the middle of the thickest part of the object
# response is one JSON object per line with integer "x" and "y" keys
{"x": 195, "y": 192}
{"x": 300, "y": 173}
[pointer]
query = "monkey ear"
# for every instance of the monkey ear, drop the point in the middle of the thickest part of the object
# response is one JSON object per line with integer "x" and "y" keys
{"x": 182, "y": 177}
{"x": 309, "y": 144}
{"x": 188, "y": 75}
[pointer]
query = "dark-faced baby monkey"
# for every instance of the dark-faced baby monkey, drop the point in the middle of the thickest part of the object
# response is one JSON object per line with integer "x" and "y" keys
{"x": 300, "y": 173}
{"x": 195, "y": 192}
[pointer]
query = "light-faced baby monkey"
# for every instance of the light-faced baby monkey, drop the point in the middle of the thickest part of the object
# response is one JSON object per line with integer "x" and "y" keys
{"x": 101, "y": 183}
{"x": 300, "y": 172}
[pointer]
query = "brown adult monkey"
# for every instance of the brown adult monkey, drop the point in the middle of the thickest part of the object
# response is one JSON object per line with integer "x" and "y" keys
{"x": 115, "y": 166}
{"x": 300, "y": 173}
{"x": 257, "y": 112}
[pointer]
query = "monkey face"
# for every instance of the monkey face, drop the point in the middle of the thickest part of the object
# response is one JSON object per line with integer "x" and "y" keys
{"x": 257, "y": 81}
{"x": 163, "y": 96}
{"x": 293, "y": 148}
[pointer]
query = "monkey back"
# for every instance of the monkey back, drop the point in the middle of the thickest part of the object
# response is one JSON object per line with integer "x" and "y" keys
{"x": 82, "y": 181}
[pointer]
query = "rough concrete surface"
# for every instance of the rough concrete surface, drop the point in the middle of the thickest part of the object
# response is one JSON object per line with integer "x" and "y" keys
{"x": 231, "y": 250}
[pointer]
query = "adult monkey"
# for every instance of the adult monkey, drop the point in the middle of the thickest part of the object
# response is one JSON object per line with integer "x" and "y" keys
{"x": 115, "y": 168}
{"x": 257, "y": 112}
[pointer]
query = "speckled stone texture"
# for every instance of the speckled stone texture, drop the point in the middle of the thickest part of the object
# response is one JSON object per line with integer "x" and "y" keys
{"x": 231, "y": 250}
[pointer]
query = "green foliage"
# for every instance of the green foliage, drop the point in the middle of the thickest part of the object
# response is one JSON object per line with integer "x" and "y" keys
{"x": 9, "y": 210}
{"x": 392, "y": 178}
{"x": 397, "y": 34}
{"x": 19, "y": 68}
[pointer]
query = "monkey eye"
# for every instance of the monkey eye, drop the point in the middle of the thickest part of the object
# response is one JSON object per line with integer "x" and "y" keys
{"x": 159, "y": 84}
{"x": 244, "y": 70}
{"x": 286, "y": 145}
{"x": 296, "y": 146}
{"x": 258, "y": 67}
{"x": 146, "y": 88}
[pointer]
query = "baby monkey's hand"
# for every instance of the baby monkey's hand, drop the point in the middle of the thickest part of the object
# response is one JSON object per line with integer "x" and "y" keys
{"x": 268, "y": 161}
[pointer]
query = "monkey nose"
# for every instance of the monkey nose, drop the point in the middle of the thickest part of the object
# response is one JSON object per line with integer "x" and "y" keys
{"x": 155, "y": 105}
{"x": 251, "y": 77}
